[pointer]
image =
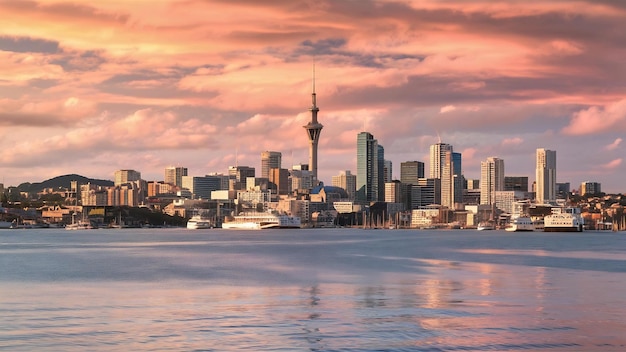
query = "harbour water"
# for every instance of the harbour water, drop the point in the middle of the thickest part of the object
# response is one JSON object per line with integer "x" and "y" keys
{"x": 311, "y": 290}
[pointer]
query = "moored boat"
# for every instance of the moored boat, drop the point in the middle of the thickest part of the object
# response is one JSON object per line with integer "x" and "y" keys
{"x": 258, "y": 221}
{"x": 197, "y": 222}
{"x": 522, "y": 223}
{"x": 484, "y": 226}
{"x": 565, "y": 219}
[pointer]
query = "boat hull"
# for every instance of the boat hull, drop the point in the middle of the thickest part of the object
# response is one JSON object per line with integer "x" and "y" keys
{"x": 578, "y": 228}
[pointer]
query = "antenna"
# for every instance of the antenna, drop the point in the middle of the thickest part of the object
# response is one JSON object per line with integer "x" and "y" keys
{"x": 237, "y": 156}
{"x": 438, "y": 137}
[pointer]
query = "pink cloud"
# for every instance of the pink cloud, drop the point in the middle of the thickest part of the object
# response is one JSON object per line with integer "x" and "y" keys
{"x": 614, "y": 145}
{"x": 512, "y": 141}
{"x": 598, "y": 119}
{"x": 612, "y": 165}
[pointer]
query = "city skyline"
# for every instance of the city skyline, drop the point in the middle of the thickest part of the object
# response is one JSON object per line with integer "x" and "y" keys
{"x": 93, "y": 88}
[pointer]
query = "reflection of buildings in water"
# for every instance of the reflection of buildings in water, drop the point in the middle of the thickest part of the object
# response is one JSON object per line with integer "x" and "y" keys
{"x": 540, "y": 287}
{"x": 373, "y": 297}
{"x": 438, "y": 293}
{"x": 312, "y": 332}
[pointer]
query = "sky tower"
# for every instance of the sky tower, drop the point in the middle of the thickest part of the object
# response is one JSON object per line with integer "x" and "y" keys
{"x": 313, "y": 130}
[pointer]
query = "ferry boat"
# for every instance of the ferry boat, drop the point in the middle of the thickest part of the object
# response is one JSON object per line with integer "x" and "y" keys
{"x": 258, "y": 221}
{"x": 197, "y": 222}
{"x": 522, "y": 223}
{"x": 484, "y": 226}
{"x": 564, "y": 220}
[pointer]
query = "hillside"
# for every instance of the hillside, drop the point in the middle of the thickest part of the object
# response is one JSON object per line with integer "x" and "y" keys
{"x": 61, "y": 182}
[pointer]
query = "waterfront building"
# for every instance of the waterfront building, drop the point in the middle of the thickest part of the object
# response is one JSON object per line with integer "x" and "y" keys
{"x": 516, "y": 183}
{"x": 347, "y": 181}
{"x": 367, "y": 177}
{"x": 545, "y": 173}
{"x": 126, "y": 176}
{"x": 313, "y": 129}
{"x": 174, "y": 175}
{"x": 270, "y": 160}
{"x": 491, "y": 179}
{"x": 411, "y": 172}
{"x": 588, "y": 187}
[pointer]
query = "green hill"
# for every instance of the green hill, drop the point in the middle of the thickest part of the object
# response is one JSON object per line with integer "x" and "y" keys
{"x": 61, "y": 182}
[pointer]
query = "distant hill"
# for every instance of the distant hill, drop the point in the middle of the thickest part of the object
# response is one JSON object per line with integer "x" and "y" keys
{"x": 63, "y": 182}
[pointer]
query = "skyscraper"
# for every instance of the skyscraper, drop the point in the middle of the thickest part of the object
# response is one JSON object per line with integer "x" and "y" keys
{"x": 126, "y": 176}
{"x": 313, "y": 130}
{"x": 174, "y": 175}
{"x": 347, "y": 181}
{"x": 269, "y": 160}
{"x": 411, "y": 172}
{"x": 546, "y": 176}
{"x": 437, "y": 158}
{"x": 442, "y": 167}
{"x": 491, "y": 179}
{"x": 367, "y": 154}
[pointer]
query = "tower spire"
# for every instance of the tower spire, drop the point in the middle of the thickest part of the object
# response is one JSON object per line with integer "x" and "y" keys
{"x": 313, "y": 130}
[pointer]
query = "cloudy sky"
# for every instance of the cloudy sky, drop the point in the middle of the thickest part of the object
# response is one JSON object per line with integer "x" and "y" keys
{"x": 93, "y": 87}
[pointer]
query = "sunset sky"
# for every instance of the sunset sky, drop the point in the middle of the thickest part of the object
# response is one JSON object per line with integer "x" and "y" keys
{"x": 90, "y": 87}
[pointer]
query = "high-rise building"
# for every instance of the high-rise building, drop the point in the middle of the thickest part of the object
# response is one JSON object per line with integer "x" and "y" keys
{"x": 437, "y": 158}
{"x": 458, "y": 180}
{"x": 442, "y": 168}
{"x": 381, "y": 174}
{"x": 491, "y": 179}
{"x": 270, "y": 160}
{"x": 201, "y": 187}
{"x": 347, "y": 181}
{"x": 279, "y": 181}
{"x": 546, "y": 176}
{"x": 411, "y": 172}
{"x": 174, "y": 175}
{"x": 313, "y": 130}
{"x": 367, "y": 176}
{"x": 516, "y": 183}
{"x": 393, "y": 192}
{"x": 590, "y": 188}
{"x": 126, "y": 176}
{"x": 238, "y": 176}
{"x": 387, "y": 170}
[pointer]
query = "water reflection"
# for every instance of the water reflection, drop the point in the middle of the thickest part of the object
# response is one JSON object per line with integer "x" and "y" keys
{"x": 226, "y": 294}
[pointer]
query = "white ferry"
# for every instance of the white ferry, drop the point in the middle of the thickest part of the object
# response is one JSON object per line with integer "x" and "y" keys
{"x": 522, "y": 223}
{"x": 258, "y": 221}
{"x": 197, "y": 222}
{"x": 564, "y": 220}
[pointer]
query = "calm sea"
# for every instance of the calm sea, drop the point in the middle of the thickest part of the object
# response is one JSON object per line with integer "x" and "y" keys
{"x": 311, "y": 290}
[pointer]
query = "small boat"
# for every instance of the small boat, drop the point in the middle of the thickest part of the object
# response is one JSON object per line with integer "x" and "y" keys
{"x": 80, "y": 225}
{"x": 522, "y": 223}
